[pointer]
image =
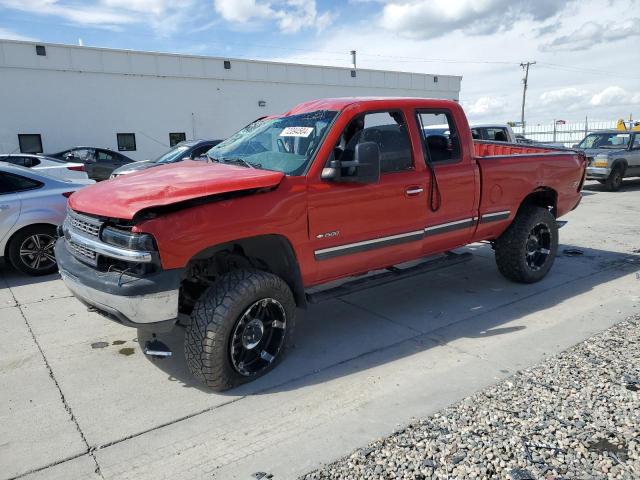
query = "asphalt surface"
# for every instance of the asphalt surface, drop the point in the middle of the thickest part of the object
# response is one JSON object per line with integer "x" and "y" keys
{"x": 78, "y": 399}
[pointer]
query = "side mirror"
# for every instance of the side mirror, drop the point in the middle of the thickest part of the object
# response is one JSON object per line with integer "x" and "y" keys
{"x": 364, "y": 168}
{"x": 575, "y": 145}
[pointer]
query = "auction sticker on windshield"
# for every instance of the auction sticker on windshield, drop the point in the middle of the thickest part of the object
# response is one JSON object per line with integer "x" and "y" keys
{"x": 296, "y": 132}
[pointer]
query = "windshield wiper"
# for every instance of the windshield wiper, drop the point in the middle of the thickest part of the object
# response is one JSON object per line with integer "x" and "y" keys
{"x": 237, "y": 161}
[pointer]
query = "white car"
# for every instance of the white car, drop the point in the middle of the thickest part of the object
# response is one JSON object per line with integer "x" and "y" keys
{"x": 493, "y": 132}
{"x": 51, "y": 166}
{"x": 32, "y": 205}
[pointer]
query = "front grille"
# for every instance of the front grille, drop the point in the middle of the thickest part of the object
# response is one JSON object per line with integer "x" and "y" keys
{"x": 82, "y": 252}
{"x": 85, "y": 224}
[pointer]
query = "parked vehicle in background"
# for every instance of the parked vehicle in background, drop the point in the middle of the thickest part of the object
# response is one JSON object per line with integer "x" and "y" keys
{"x": 187, "y": 150}
{"x": 32, "y": 205}
{"x": 489, "y": 132}
{"x": 524, "y": 140}
{"x": 49, "y": 165}
{"x": 612, "y": 156}
{"x": 493, "y": 132}
{"x": 99, "y": 162}
{"x": 330, "y": 190}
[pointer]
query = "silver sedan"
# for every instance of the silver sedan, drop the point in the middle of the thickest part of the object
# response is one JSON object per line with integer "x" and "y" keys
{"x": 32, "y": 205}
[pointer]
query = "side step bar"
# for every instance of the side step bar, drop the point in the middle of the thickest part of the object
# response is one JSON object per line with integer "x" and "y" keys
{"x": 391, "y": 275}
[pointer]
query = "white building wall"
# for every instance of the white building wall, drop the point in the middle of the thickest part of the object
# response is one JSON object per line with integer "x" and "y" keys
{"x": 84, "y": 96}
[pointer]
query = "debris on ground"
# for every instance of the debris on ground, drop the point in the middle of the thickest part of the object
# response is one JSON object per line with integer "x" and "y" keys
{"x": 575, "y": 416}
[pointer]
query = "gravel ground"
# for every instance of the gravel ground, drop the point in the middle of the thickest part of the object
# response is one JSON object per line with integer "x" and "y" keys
{"x": 575, "y": 416}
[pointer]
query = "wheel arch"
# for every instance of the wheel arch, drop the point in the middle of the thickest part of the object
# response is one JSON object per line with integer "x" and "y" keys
{"x": 620, "y": 162}
{"x": 272, "y": 252}
{"x": 5, "y": 250}
{"x": 545, "y": 197}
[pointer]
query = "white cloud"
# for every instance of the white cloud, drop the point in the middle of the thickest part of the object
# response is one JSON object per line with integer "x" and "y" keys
{"x": 614, "y": 96}
{"x": 160, "y": 14}
{"x": 485, "y": 105}
{"x": 7, "y": 34}
{"x": 290, "y": 15}
{"x": 563, "y": 96}
{"x": 594, "y": 33}
{"x": 433, "y": 18}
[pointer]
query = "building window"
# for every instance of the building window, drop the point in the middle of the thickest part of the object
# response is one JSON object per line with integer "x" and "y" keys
{"x": 30, "y": 142}
{"x": 435, "y": 79}
{"x": 126, "y": 142}
{"x": 41, "y": 51}
{"x": 176, "y": 137}
{"x": 227, "y": 65}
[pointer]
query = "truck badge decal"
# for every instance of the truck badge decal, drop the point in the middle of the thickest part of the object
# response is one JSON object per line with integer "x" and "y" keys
{"x": 333, "y": 234}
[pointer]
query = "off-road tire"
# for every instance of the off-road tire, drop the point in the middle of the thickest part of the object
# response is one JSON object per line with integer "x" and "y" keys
{"x": 614, "y": 181}
{"x": 511, "y": 246}
{"x": 16, "y": 242}
{"x": 214, "y": 317}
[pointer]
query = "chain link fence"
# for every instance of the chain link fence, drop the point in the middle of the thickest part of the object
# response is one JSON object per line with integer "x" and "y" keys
{"x": 563, "y": 133}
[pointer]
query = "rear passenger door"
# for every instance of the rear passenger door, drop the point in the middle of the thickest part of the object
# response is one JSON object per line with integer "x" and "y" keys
{"x": 9, "y": 204}
{"x": 360, "y": 227}
{"x": 453, "y": 187}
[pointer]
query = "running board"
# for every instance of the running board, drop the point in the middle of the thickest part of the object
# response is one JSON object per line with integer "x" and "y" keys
{"x": 391, "y": 275}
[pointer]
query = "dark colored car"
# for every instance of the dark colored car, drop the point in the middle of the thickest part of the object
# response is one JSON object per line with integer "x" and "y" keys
{"x": 191, "y": 149}
{"x": 99, "y": 162}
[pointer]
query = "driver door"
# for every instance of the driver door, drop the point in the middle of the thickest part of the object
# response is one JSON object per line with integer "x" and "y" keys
{"x": 360, "y": 227}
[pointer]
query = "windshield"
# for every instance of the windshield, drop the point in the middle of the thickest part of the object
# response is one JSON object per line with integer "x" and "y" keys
{"x": 284, "y": 144}
{"x": 605, "y": 140}
{"x": 176, "y": 153}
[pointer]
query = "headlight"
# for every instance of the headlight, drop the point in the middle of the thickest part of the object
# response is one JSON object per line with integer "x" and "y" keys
{"x": 130, "y": 241}
{"x": 601, "y": 162}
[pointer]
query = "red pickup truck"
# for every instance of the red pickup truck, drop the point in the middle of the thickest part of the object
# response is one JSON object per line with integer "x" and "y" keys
{"x": 332, "y": 189}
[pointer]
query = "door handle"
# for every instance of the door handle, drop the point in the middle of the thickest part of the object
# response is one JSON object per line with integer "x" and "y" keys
{"x": 414, "y": 191}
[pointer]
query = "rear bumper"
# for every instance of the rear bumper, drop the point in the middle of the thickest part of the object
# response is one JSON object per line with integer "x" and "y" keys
{"x": 598, "y": 173}
{"x": 150, "y": 302}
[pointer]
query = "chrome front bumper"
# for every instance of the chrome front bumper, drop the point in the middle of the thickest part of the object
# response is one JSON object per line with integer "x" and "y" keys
{"x": 148, "y": 301}
{"x": 141, "y": 309}
{"x": 598, "y": 173}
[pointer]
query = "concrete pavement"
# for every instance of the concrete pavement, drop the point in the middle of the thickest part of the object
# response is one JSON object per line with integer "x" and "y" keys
{"x": 78, "y": 399}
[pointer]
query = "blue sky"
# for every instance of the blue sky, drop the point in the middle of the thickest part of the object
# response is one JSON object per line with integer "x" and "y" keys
{"x": 585, "y": 65}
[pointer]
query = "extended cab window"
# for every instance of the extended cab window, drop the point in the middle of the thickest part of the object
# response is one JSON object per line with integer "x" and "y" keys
{"x": 388, "y": 130}
{"x": 439, "y": 136}
{"x": 285, "y": 144}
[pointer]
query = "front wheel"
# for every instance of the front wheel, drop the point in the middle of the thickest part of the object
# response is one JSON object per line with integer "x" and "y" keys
{"x": 614, "y": 182}
{"x": 240, "y": 328}
{"x": 527, "y": 249}
{"x": 31, "y": 250}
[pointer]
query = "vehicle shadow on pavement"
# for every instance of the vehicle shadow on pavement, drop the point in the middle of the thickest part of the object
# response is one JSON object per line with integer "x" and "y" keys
{"x": 628, "y": 185}
{"x": 383, "y": 324}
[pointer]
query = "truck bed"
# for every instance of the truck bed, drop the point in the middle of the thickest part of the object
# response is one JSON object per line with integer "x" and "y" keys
{"x": 483, "y": 148}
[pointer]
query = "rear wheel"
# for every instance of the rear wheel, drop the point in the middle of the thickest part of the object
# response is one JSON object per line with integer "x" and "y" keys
{"x": 240, "y": 328}
{"x": 526, "y": 250}
{"x": 614, "y": 182}
{"x": 31, "y": 250}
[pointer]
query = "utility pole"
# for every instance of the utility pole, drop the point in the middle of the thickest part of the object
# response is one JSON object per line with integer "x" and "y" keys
{"x": 525, "y": 67}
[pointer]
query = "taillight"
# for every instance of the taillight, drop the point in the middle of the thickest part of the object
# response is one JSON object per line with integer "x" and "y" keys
{"x": 67, "y": 194}
{"x": 77, "y": 168}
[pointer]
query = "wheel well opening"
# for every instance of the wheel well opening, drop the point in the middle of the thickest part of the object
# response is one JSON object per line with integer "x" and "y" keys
{"x": 543, "y": 197}
{"x": 270, "y": 253}
{"x": 21, "y": 229}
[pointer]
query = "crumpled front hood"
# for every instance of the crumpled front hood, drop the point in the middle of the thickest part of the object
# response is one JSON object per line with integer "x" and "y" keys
{"x": 127, "y": 195}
